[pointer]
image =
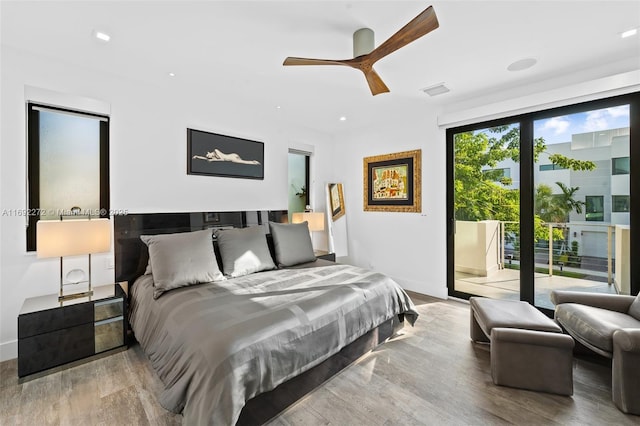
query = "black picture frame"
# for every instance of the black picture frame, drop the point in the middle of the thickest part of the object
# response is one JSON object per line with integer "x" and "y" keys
{"x": 213, "y": 154}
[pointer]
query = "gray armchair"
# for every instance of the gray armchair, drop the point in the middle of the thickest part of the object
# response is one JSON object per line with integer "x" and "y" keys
{"x": 609, "y": 325}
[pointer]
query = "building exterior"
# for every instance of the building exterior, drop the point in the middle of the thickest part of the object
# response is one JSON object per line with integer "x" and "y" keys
{"x": 605, "y": 190}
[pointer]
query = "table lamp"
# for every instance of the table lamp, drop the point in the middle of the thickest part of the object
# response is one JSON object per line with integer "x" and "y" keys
{"x": 60, "y": 238}
{"x": 314, "y": 220}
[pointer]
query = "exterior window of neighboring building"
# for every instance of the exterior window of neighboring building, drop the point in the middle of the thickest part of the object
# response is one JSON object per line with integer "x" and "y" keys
{"x": 497, "y": 175}
{"x": 620, "y": 166}
{"x": 547, "y": 167}
{"x": 594, "y": 208}
{"x": 620, "y": 203}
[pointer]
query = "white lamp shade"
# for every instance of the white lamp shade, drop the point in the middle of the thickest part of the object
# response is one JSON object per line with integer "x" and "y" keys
{"x": 315, "y": 220}
{"x": 59, "y": 238}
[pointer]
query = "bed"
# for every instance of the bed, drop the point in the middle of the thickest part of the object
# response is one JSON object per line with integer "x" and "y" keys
{"x": 217, "y": 345}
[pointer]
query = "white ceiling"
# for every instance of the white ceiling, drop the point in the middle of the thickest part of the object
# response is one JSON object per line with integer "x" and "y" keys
{"x": 237, "y": 48}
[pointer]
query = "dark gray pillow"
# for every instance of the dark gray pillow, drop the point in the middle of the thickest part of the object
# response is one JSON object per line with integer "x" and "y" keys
{"x": 182, "y": 259}
{"x": 634, "y": 309}
{"x": 244, "y": 251}
{"x": 292, "y": 243}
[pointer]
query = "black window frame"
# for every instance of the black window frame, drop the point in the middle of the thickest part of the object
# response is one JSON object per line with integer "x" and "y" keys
{"x": 613, "y": 203}
{"x": 33, "y": 165}
{"x": 624, "y": 171}
{"x": 526, "y": 123}
{"x": 550, "y": 167}
{"x": 587, "y": 208}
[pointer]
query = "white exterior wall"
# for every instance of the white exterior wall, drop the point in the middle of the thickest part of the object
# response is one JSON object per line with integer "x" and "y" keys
{"x": 476, "y": 247}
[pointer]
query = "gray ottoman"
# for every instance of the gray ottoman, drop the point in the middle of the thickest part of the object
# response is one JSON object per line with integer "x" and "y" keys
{"x": 528, "y": 349}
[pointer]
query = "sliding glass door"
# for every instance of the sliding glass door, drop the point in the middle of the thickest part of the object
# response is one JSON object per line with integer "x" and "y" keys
{"x": 544, "y": 201}
{"x": 486, "y": 194}
{"x": 582, "y": 195}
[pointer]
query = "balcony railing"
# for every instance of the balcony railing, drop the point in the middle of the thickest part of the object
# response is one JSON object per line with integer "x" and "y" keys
{"x": 600, "y": 251}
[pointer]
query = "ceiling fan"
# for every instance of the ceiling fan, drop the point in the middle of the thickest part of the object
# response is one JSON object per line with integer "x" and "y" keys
{"x": 365, "y": 55}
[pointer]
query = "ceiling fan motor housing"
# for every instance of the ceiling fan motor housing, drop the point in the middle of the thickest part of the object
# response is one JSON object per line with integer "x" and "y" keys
{"x": 363, "y": 42}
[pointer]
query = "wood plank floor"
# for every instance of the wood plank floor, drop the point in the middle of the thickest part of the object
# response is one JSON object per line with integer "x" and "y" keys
{"x": 432, "y": 374}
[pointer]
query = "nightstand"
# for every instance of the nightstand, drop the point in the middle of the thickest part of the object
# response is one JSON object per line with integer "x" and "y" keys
{"x": 321, "y": 254}
{"x": 52, "y": 333}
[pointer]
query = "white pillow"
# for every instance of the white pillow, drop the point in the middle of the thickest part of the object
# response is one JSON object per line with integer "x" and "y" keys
{"x": 182, "y": 259}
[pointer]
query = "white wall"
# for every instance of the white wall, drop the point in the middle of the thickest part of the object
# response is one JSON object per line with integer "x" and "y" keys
{"x": 148, "y": 163}
{"x": 410, "y": 247}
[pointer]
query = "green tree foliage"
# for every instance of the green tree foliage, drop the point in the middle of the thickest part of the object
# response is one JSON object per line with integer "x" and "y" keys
{"x": 571, "y": 163}
{"x": 486, "y": 195}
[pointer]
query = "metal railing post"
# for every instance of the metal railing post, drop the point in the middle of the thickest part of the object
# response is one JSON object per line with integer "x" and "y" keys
{"x": 501, "y": 245}
{"x": 609, "y": 255}
{"x": 550, "y": 249}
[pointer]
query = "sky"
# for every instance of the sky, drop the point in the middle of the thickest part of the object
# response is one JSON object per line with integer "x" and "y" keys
{"x": 559, "y": 129}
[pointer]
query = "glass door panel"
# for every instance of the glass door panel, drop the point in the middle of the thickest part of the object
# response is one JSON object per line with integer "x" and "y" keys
{"x": 581, "y": 203}
{"x": 487, "y": 212}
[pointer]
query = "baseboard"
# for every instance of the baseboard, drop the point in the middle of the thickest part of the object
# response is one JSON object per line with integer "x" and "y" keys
{"x": 8, "y": 350}
{"x": 419, "y": 287}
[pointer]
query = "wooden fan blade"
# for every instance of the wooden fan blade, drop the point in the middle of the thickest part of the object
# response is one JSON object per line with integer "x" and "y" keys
{"x": 376, "y": 84}
{"x": 306, "y": 61}
{"x": 419, "y": 26}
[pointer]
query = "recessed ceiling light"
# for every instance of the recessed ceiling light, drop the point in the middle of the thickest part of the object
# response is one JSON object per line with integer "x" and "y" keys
{"x": 522, "y": 64}
{"x": 278, "y": 107}
{"x": 629, "y": 33}
{"x": 436, "y": 89}
{"x": 172, "y": 74}
{"x": 102, "y": 36}
{"x": 343, "y": 118}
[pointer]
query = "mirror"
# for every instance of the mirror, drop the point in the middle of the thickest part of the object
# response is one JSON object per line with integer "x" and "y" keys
{"x": 337, "y": 220}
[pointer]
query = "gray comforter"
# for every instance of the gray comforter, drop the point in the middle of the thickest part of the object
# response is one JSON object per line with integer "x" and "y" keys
{"x": 217, "y": 345}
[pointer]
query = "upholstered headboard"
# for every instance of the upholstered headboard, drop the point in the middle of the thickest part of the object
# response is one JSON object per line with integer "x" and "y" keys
{"x": 131, "y": 254}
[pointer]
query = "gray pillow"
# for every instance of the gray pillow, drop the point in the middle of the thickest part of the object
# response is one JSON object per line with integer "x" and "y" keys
{"x": 244, "y": 251}
{"x": 182, "y": 259}
{"x": 292, "y": 243}
{"x": 634, "y": 309}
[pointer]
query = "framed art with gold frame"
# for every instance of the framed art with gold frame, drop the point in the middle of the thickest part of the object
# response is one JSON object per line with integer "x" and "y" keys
{"x": 336, "y": 199}
{"x": 392, "y": 182}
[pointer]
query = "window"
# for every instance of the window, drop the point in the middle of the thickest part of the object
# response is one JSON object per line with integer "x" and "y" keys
{"x": 594, "y": 207}
{"x": 530, "y": 207}
{"x": 620, "y": 203}
{"x": 298, "y": 181}
{"x": 498, "y": 175}
{"x": 547, "y": 167}
{"x": 620, "y": 166}
{"x": 68, "y": 165}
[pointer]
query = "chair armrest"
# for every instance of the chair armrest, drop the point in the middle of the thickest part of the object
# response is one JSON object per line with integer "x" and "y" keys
{"x": 531, "y": 337}
{"x": 611, "y": 302}
{"x": 627, "y": 339}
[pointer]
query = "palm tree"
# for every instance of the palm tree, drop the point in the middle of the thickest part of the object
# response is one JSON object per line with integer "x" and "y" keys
{"x": 566, "y": 200}
{"x": 555, "y": 208}
{"x": 564, "y": 204}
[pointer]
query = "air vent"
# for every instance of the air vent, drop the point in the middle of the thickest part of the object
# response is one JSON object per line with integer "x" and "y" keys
{"x": 436, "y": 89}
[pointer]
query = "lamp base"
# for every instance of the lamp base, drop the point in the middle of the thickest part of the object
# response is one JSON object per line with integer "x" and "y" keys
{"x": 75, "y": 295}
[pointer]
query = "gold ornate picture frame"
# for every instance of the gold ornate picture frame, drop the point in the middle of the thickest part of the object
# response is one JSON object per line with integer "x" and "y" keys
{"x": 336, "y": 199}
{"x": 393, "y": 182}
